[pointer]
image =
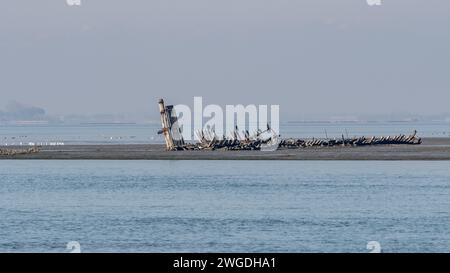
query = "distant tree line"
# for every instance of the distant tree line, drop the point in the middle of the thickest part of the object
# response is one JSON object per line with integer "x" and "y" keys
{"x": 18, "y": 111}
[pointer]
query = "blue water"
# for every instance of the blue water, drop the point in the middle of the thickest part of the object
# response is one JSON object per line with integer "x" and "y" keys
{"x": 147, "y": 133}
{"x": 224, "y": 206}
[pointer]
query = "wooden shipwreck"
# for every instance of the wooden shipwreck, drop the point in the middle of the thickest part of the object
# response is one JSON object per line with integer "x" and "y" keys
{"x": 170, "y": 130}
{"x": 267, "y": 140}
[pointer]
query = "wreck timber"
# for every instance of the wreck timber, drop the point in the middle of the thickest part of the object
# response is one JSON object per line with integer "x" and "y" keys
{"x": 170, "y": 130}
{"x": 360, "y": 141}
{"x": 13, "y": 152}
{"x": 262, "y": 140}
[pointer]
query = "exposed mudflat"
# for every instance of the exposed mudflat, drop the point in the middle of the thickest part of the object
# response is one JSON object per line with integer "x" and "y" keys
{"x": 430, "y": 149}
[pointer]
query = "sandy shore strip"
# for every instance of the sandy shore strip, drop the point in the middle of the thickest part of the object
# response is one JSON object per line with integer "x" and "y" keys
{"x": 431, "y": 149}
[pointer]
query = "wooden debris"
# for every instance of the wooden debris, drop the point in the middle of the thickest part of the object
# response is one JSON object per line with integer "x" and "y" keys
{"x": 13, "y": 152}
{"x": 208, "y": 141}
{"x": 360, "y": 141}
{"x": 262, "y": 140}
{"x": 170, "y": 129}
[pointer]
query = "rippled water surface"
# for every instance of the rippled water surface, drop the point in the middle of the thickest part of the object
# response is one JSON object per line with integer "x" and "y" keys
{"x": 224, "y": 206}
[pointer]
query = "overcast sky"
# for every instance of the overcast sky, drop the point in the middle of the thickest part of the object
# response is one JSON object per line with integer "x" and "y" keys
{"x": 309, "y": 56}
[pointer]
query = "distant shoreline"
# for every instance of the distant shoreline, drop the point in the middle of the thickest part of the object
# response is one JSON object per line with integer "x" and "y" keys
{"x": 431, "y": 149}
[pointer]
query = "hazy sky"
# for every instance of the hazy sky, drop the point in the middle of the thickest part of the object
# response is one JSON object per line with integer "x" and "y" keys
{"x": 309, "y": 56}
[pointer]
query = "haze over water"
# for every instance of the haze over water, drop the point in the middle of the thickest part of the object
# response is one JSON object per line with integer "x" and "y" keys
{"x": 147, "y": 133}
{"x": 311, "y": 57}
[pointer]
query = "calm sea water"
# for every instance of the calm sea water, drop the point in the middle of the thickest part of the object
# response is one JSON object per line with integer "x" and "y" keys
{"x": 224, "y": 206}
{"x": 147, "y": 133}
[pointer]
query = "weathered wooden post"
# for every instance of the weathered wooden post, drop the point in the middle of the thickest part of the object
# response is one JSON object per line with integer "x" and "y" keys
{"x": 166, "y": 126}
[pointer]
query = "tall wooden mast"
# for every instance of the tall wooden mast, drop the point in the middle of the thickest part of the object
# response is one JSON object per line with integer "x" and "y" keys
{"x": 165, "y": 121}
